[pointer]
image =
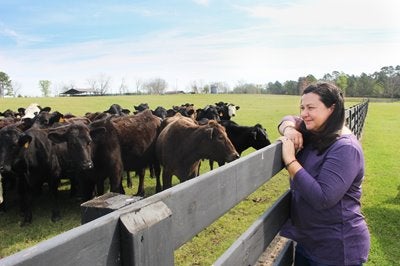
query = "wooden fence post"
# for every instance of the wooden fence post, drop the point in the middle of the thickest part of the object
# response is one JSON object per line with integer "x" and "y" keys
{"x": 104, "y": 204}
{"x": 146, "y": 236}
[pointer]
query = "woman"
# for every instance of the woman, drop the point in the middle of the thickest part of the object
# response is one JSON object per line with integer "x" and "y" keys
{"x": 325, "y": 163}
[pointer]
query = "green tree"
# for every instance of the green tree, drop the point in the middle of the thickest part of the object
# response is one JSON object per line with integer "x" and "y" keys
{"x": 304, "y": 82}
{"x": 365, "y": 85}
{"x": 341, "y": 82}
{"x": 5, "y": 84}
{"x": 45, "y": 87}
{"x": 291, "y": 87}
{"x": 247, "y": 88}
{"x": 389, "y": 76}
{"x": 275, "y": 88}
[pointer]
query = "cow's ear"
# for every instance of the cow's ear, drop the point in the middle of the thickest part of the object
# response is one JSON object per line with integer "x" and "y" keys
{"x": 57, "y": 137}
{"x": 24, "y": 141}
{"x": 237, "y": 107}
{"x": 97, "y": 133}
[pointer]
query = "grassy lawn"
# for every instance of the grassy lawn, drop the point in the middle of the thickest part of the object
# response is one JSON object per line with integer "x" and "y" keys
{"x": 381, "y": 199}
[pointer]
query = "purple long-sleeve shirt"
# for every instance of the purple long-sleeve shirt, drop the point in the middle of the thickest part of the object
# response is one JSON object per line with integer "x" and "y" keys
{"x": 326, "y": 217}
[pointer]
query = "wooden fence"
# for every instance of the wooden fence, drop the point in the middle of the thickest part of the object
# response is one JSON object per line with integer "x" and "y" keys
{"x": 148, "y": 231}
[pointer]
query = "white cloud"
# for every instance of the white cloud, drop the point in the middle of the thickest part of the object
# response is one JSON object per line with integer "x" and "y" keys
{"x": 202, "y": 2}
{"x": 283, "y": 43}
{"x": 338, "y": 14}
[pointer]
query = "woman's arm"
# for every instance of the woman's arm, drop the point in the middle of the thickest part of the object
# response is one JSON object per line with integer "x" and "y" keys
{"x": 340, "y": 167}
{"x": 290, "y": 128}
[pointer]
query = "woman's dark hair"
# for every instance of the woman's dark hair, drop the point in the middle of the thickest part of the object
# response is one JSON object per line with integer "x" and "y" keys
{"x": 330, "y": 95}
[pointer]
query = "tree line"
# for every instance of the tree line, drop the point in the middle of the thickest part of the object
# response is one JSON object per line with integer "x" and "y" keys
{"x": 384, "y": 83}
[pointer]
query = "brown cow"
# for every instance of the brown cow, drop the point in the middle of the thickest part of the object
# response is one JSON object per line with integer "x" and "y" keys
{"x": 137, "y": 136}
{"x": 182, "y": 144}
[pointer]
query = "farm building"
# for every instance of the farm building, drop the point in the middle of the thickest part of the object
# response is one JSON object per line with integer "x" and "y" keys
{"x": 79, "y": 92}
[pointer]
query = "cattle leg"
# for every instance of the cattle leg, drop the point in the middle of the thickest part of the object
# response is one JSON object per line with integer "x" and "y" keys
{"x": 116, "y": 182}
{"x": 25, "y": 201}
{"x": 128, "y": 179}
{"x": 141, "y": 174}
{"x": 73, "y": 186}
{"x": 55, "y": 212}
{"x": 157, "y": 171}
{"x": 211, "y": 162}
{"x": 167, "y": 179}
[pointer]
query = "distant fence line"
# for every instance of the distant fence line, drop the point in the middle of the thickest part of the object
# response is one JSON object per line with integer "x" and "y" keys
{"x": 148, "y": 231}
{"x": 355, "y": 117}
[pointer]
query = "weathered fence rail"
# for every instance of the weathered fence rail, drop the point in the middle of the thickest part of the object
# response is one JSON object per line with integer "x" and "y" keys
{"x": 148, "y": 231}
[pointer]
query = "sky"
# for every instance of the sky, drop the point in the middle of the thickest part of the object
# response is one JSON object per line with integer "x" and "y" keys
{"x": 203, "y": 41}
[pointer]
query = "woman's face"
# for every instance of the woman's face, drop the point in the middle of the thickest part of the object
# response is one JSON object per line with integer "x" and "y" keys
{"x": 314, "y": 112}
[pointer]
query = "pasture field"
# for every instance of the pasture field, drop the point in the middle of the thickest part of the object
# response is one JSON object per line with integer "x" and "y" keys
{"x": 381, "y": 198}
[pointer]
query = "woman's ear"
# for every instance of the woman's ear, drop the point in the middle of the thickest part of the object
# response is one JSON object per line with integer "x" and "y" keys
{"x": 332, "y": 107}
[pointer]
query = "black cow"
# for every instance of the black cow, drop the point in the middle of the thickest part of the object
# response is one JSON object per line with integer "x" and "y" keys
{"x": 226, "y": 110}
{"x": 161, "y": 112}
{"x": 8, "y": 151}
{"x": 47, "y": 156}
{"x": 116, "y": 109}
{"x": 244, "y": 137}
{"x": 210, "y": 112}
{"x": 141, "y": 107}
{"x": 107, "y": 160}
{"x": 9, "y": 113}
{"x": 186, "y": 110}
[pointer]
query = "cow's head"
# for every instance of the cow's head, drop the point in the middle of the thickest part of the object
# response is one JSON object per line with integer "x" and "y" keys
{"x": 220, "y": 146}
{"x": 260, "y": 137}
{"x": 8, "y": 147}
{"x": 78, "y": 140}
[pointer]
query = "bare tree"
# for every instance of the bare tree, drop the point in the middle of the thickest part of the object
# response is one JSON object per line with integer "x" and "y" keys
{"x": 196, "y": 86}
{"x": 138, "y": 84}
{"x": 16, "y": 88}
{"x": 101, "y": 84}
{"x": 93, "y": 84}
{"x": 104, "y": 84}
{"x": 123, "y": 87}
{"x": 155, "y": 86}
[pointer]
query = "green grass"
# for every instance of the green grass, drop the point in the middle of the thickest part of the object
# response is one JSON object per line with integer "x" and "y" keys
{"x": 381, "y": 199}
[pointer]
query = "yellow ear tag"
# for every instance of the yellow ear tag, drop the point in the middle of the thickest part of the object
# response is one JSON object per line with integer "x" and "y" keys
{"x": 26, "y": 145}
{"x": 62, "y": 120}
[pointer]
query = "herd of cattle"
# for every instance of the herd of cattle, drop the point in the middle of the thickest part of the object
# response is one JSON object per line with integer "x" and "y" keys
{"x": 39, "y": 146}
